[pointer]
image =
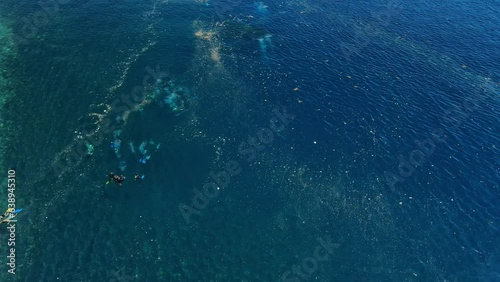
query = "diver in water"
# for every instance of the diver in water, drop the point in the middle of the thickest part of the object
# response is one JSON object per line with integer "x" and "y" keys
{"x": 9, "y": 215}
{"x": 117, "y": 178}
{"x": 6, "y": 214}
{"x": 138, "y": 177}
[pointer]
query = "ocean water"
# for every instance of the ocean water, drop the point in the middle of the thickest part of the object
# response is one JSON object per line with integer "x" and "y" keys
{"x": 280, "y": 141}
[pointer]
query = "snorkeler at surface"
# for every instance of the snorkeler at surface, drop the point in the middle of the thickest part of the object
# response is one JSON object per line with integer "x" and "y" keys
{"x": 117, "y": 178}
{"x": 8, "y": 219}
{"x": 9, "y": 215}
{"x": 138, "y": 177}
{"x": 6, "y": 214}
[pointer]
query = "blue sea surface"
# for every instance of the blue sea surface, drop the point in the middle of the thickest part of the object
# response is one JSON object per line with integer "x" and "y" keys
{"x": 278, "y": 141}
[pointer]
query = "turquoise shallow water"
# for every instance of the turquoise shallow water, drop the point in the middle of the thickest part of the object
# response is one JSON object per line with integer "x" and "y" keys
{"x": 282, "y": 141}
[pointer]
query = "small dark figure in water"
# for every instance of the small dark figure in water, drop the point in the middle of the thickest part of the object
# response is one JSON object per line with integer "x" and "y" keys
{"x": 117, "y": 178}
{"x": 138, "y": 177}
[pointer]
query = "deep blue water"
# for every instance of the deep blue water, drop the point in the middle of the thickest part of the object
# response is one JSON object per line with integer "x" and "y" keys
{"x": 372, "y": 126}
